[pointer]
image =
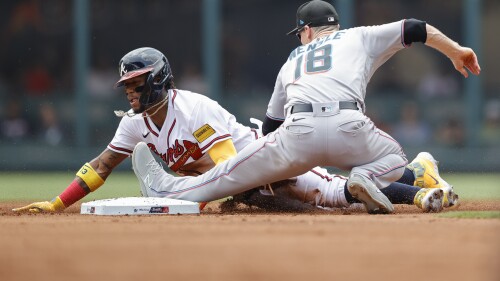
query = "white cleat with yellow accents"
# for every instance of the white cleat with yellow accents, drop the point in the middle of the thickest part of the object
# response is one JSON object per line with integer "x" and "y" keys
{"x": 425, "y": 169}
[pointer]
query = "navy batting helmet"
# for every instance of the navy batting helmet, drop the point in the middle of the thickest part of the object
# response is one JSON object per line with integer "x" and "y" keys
{"x": 141, "y": 61}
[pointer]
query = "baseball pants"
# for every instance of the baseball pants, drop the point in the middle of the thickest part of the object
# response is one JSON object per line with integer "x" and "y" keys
{"x": 346, "y": 139}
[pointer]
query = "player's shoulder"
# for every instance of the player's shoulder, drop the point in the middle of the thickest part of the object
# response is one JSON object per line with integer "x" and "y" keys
{"x": 187, "y": 97}
{"x": 384, "y": 26}
{"x": 186, "y": 102}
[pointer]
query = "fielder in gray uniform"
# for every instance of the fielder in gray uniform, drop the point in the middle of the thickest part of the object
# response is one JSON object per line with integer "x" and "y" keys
{"x": 316, "y": 114}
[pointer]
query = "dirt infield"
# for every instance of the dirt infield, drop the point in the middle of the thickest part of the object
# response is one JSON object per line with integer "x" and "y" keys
{"x": 249, "y": 244}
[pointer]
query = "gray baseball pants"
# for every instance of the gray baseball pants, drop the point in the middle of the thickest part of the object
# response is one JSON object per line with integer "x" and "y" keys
{"x": 346, "y": 139}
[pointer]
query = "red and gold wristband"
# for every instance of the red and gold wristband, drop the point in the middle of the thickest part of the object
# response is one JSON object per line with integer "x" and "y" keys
{"x": 75, "y": 191}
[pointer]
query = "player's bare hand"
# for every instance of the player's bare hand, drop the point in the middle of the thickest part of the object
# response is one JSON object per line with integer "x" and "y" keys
{"x": 37, "y": 207}
{"x": 464, "y": 59}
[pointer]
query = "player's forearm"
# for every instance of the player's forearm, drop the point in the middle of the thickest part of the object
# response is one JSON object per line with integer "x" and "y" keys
{"x": 437, "y": 40}
{"x": 87, "y": 180}
{"x": 106, "y": 162}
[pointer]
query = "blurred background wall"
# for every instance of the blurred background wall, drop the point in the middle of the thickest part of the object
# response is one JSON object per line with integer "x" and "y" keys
{"x": 59, "y": 63}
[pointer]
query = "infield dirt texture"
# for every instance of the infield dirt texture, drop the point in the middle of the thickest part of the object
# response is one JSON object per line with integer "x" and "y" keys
{"x": 249, "y": 244}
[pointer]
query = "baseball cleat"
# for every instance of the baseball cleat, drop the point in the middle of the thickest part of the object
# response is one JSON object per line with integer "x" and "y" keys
{"x": 429, "y": 199}
{"x": 426, "y": 172}
{"x": 365, "y": 191}
{"x": 425, "y": 169}
{"x": 145, "y": 168}
{"x": 450, "y": 198}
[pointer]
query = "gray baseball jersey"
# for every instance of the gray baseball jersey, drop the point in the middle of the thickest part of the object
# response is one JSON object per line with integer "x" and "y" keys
{"x": 334, "y": 67}
{"x": 324, "y": 74}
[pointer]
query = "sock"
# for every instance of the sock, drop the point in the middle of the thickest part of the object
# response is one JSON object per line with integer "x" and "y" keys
{"x": 348, "y": 195}
{"x": 399, "y": 193}
{"x": 407, "y": 178}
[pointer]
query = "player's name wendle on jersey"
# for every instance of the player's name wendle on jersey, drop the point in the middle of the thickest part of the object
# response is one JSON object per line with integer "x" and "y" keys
{"x": 315, "y": 44}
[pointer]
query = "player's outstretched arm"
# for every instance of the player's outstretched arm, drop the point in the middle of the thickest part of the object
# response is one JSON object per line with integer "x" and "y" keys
{"x": 462, "y": 57}
{"x": 89, "y": 178}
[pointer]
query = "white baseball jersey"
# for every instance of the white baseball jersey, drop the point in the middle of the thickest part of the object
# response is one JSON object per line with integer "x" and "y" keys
{"x": 194, "y": 123}
{"x": 317, "y": 73}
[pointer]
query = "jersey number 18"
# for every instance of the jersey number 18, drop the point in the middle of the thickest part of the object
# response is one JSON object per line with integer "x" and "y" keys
{"x": 317, "y": 61}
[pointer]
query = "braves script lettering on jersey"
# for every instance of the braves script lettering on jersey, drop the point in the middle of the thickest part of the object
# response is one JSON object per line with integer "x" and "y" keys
{"x": 329, "y": 70}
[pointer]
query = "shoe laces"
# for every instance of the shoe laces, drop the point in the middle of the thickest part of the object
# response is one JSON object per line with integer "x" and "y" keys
{"x": 154, "y": 167}
{"x": 267, "y": 190}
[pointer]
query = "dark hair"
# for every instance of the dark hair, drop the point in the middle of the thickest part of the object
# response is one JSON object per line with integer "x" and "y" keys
{"x": 170, "y": 84}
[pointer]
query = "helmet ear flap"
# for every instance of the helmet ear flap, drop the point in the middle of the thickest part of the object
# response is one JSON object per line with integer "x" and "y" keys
{"x": 153, "y": 89}
{"x": 146, "y": 94}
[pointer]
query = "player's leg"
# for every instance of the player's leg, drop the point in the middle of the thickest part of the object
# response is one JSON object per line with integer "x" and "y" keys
{"x": 354, "y": 144}
{"x": 426, "y": 175}
{"x": 322, "y": 189}
{"x": 268, "y": 159}
{"x": 427, "y": 199}
{"x": 376, "y": 175}
{"x": 278, "y": 198}
{"x": 319, "y": 188}
{"x": 423, "y": 172}
{"x": 314, "y": 189}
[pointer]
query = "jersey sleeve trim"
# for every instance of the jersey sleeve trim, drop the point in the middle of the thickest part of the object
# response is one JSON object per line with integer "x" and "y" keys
{"x": 403, "y": 34}
{"x": 274, "y": 118}
{"x": 120, "y": 149}
{"x": 212, "y": 142}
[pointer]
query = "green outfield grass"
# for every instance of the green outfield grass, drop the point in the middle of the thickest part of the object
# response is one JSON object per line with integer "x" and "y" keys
{"x": 475, "y": 186}
{"x": 471, "y": 214}
{"x": 22, "y": 186}
{"x": 46, "y": 185}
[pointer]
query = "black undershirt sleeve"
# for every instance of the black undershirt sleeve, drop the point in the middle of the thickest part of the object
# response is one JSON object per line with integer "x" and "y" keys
{"x": 414, "y": 31}
{"x": 270, "y": 125}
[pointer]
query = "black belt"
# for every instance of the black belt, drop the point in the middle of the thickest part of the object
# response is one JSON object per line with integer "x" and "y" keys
{"x": 307, "y": 107}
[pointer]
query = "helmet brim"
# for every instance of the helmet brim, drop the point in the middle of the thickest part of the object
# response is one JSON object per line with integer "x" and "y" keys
{"x": 132, "y": 74}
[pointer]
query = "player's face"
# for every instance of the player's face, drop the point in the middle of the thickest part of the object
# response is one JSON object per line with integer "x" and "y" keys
{"x": 133, "y": 88}
{"x": 303, "y": 34}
